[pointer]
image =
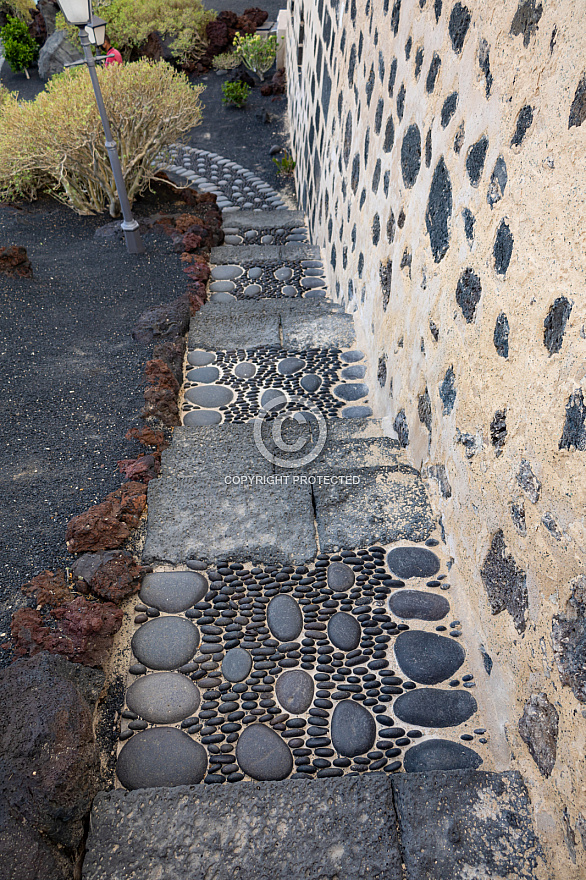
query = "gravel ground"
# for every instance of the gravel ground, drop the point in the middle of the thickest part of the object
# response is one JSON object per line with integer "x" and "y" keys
{"x": 72, "y": 375}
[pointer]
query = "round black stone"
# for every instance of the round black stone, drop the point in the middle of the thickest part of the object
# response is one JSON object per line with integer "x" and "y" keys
{"x": 340, "y": 576}
{"x": 353, "y": 729}
{"x": 165, "y": 642}
{"x": 294, "y": 691}
{"x": 428, "y": 658}
{"x": 344, "y": 631}
{"x": 439, "y": 754}
{"x": 236, "y": 664}
{"x": 410, "y": 604}
{"x": 262, "y": 754}
{"x": 284, "y": 618}
{"x": 173, "y": 591}
{"x": 408, "y": 562}
{"x": 161, "y": 756}
{"x": 427, "y": 707}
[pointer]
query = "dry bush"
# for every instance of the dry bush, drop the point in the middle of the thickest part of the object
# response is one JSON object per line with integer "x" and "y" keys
{"x": 56, "y": 143}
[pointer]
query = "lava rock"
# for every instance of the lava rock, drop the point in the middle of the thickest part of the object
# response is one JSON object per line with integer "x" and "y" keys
{"x": 15, "y": 263}
{"x": 555, "y": 324}
{"x": 107, "y": 525}
{"x": 55, "y": 54}
{"x": 439, "y": 211}
{"x": 161, "y": 756}
{"x": 504, "y": 582}
{"x": 538, "y": 728}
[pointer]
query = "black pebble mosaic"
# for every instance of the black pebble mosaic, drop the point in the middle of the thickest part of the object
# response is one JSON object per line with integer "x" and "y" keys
{"x": 298, "y": 671}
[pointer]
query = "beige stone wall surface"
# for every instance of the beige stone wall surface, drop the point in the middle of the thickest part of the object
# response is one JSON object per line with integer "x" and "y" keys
{"x": 456, "y": 234}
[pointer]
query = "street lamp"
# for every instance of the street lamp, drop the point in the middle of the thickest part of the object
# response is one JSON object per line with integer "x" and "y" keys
{"x": 93, "y": 30}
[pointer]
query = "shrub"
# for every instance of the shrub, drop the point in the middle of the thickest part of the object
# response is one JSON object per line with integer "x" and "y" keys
{"x": 285, "y": 165}
{"x": 23, "y": 9}
{"x": 20, "y": 49}
{"x": 258, "y": 53}
{"x": 226, "y": 61}
{"x": 131, "y": 21}
{"x": 235, "y": 93}
{"x": 56, "y": 144}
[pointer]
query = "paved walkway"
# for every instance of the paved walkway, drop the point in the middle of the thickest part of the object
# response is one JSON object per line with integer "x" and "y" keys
{"x": 297, "y": 660}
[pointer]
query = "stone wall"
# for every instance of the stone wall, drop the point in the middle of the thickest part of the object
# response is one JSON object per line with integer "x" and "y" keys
{"x": 441, "y": 160}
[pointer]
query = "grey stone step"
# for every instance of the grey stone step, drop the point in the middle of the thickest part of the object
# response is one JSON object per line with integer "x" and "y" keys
{"x": 295, "y": 323}
{"x": 226, "y": 499}
{"x": 455, "y": 825}
{"x": 228, "y": 255}
{"x": 265, "y": 220}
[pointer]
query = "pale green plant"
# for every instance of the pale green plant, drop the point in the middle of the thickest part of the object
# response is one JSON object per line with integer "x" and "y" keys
{"x": 226, "y": 61}
{"x": 257, "y": 52}
{"x": 55, "y": 144}
{"x": 285, "y": 165}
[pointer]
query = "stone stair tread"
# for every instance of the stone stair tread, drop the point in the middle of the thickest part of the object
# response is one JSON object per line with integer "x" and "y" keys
{"x": 318, "y": 331}
{"x": 411, "y": 826}
{"x": 228, "y": 254}
{"x": 265, "y": 220}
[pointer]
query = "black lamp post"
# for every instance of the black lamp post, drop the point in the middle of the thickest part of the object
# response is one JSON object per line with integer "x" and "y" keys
{"x": 93, "y": 30}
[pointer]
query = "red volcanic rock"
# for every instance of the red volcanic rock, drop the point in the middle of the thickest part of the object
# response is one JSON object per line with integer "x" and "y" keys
{"x": 49, "y": 588}
{"x": 115, "y": 579}
{"x": 256, "y": 15}
{"x": 107, "y": 525}
{"x": 163, "y": 322}
{"x": 144, "y": 468}
{"x": 82, "y": 631}
{"x": 15, "y": 263}
{"x": 148, "y": 436}
{"x": 172, "y": 352}
{"x": 218, "y": 36}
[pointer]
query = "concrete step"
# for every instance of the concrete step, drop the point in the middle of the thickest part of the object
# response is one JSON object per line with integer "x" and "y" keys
{"x": 259, "y": 254}
{"x": 438, "y": 825}
{"x": 293, "y": 324}
{"x": 245, "y": 220}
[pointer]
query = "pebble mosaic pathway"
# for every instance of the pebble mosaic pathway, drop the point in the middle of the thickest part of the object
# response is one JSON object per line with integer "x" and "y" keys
{"x": 350, "y": 663}
{"x": 236, "y": 187}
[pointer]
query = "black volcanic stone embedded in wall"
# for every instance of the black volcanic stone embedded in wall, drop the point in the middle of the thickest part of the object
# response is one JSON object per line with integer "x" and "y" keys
{"x": 504, "y": 582}
{"x": 391, "y": 228}
{"x": 401, "y": 102}
{"x": 401, "y": 428}
{"x": 437, "y": 8}
{"x": 378, "y": 116}
{"x": 385, "y": 272}
{"x": 352, "y": 65}
{"x": 518, "y": 516}
{"x": 526, "y": 19}
{"x": 375, "y": 230}
{"x": 392, "y": 77}
{"x": 447, "y": 391}
{"x": 381, "y": 372}
{"x": 574, "y": 433}
{"x": 366, "y": 146}
{"x": 555, "y": 324}
{"x": 458, "y": 26}
{"x": 438, "y": 473}
{"x": 468, "y": 293}
{"x": 408, "y": 47}
{"x": 439, "y": 211}
{"x": 433, "y": 72}
{"x": 484, "y": 62}
{"x": 503, "y": 248}
{"x": 578, "y": 108}
{"x": 568, "y": 637}
{"x": 348, "y": 137}
{"x": 369, "y": 87}
{"x": 538, "y": 728}
{"x": 386, "y": 182}
{"x": 360, "y": 264}
{"x": 389, "y": 135}
{"x": 424, "y": 409}
{"x": 524, "y": 120}
{"x": 501, "y": 335}
{"x": 353, "y": 12}
{"x": 498, "y": 182}
{"x": 459, "y": 138}
{"x": 376, "y": 176}
{"x": 381, "y": 66}
{"x": 449, "y": 108}
{"x": 469, "y": 222}
{"x": 395, "y": 15}
{"x": 355, "y": 177}
{"x": 498, "y": 430}
{"x": 428, "y": 149}
{"x": 475, "y": 160}
{"x": 418, "y": 61}
{"x": 411, "y": 155}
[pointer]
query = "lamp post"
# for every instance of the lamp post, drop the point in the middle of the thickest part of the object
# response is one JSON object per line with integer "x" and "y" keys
{"x": 93, "y": 30}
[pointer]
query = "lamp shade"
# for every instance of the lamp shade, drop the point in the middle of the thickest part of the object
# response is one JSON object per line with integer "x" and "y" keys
{"x": 96, "y": 30}
{"x": 77, "y": 12}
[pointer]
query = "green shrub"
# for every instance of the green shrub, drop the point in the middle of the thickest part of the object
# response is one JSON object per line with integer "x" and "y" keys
{"x": 55, "y": 144}
{"x": 257, "y": 52}
{"x": 20, "y": 49}
{"x": 235, "y": 93}
{"x": 226, "y": 61}
{"x": 131, "y": 21}
{"x": 286, "y": 164}
{"x": 23, "y": 9}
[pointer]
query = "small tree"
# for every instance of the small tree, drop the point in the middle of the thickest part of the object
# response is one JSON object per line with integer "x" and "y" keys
{"x": 20, "y": 49}
{"x": 258, "y": 53}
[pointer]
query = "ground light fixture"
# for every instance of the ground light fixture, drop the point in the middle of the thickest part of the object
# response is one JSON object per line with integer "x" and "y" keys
{"x": 92, "y": 30}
